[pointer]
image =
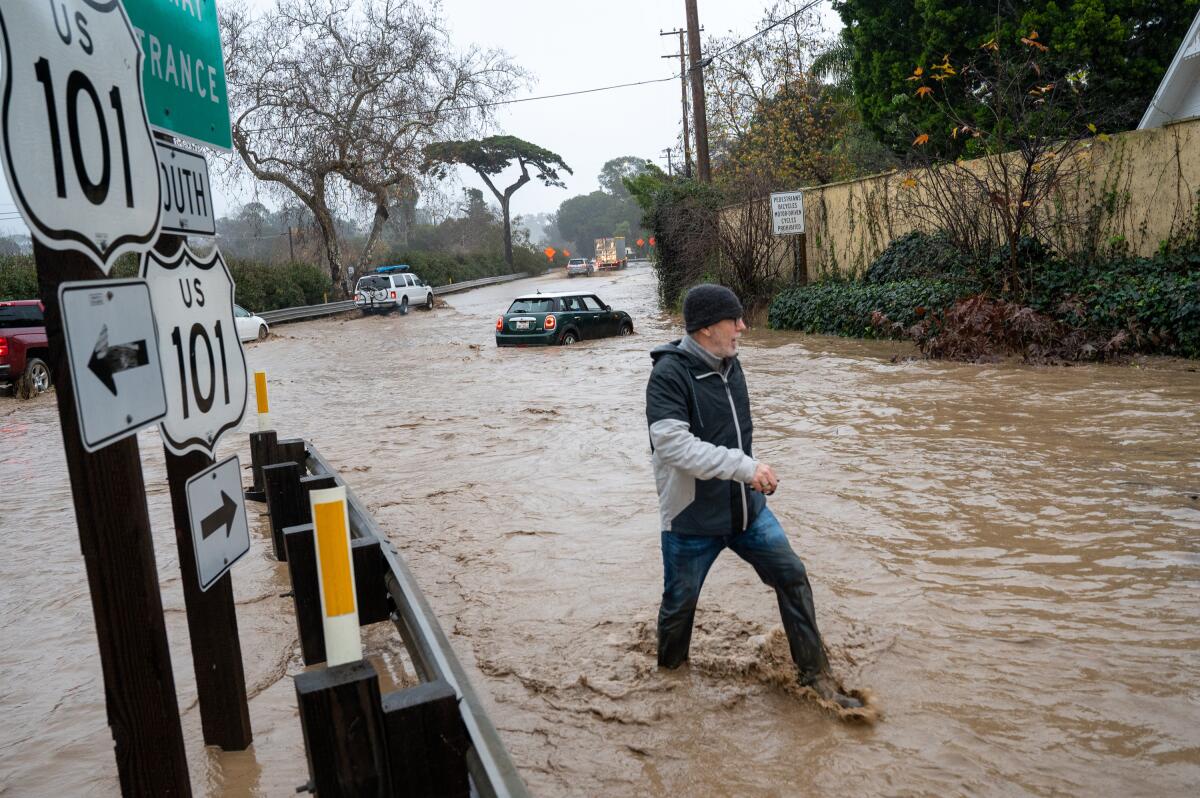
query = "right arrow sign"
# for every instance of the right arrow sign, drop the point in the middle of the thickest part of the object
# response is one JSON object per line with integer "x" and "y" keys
{"x": 221, "y": 517}
{"x": 215, "y": 506}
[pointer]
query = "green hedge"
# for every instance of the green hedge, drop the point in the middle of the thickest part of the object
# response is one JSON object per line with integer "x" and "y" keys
{"x": 265, "y": 286}
{"x": 440, "y": 268}
{"x": 917, "y": 255}
{"x": 18, "y": 277}
{"x": 846, "y": 308}
{"x": 1161, "y": 312}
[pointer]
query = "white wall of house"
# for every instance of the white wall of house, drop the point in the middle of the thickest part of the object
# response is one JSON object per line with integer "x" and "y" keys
{"x": 1178, "y": 96}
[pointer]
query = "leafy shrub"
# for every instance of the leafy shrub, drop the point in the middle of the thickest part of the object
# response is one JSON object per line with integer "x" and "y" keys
{"x": 441, "y": 268}
{"x": 916, "y": 255}
{"x": 983, "y": 328}
{"x": 847, "y": 308}
{"x": 1157, "y": 310}
{"x": 1160, "y": 312}
{"x": 1155, "y": 301}
{"x": 265, "y": 286}
{"x": 684, "y": 216}
{"x": 18, "y": 277}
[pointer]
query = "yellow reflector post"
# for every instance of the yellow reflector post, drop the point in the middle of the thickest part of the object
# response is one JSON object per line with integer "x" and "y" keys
{"x": 260, "y": 395}
{"x": 335, "y": 575}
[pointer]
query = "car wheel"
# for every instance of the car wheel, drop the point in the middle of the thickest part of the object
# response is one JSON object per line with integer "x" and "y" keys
{"x": 37, "y": 373}
{"x": 262, "y": 332}
{"x": 626, "y": 328}
{"x": 429, "y": 301}
{"x": 568, "y": 338}
{"x": 404, "y": 306}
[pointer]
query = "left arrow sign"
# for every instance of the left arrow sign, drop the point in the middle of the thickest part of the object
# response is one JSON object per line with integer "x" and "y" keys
{"x": 108, "y": 360}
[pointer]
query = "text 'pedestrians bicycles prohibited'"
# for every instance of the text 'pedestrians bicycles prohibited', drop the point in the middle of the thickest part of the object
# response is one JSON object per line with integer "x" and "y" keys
{"x": 77, "y": 145}
{"x": 787, "y": 212}
{"x": 217, "y": 517}
{"x": 113, "y": 353}
{"x": 203, "y": 365}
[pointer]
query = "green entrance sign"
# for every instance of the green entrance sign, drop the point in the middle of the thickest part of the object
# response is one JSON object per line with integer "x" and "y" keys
{"x": 183, "y": 74}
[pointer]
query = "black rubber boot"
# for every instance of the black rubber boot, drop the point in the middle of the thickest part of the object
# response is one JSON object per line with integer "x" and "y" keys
{"x": 827, "y": 689}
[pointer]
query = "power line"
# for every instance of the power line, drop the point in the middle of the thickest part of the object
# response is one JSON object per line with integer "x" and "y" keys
{"x": 753, "y": 36}
{"x": 390, "y": 117}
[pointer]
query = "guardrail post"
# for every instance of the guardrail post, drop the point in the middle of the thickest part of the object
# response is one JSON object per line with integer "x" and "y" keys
{"x": 370, "y": 567}
{"x": 262, "y": 452}
{"x": 286, "y": 505}
{"x": 342, "y": 717}
{"x": 427, "y": 741}
{"x": 306, "y": 598}
{"x": 293, "y": 450}
{"x": 315, "y": 482}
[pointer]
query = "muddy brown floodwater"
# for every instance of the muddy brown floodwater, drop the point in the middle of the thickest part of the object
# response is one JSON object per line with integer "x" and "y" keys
{"x": 1009, "y": 557}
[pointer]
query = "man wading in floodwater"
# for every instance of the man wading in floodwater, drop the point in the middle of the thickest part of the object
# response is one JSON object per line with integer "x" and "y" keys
{"x": 711, "y": 490}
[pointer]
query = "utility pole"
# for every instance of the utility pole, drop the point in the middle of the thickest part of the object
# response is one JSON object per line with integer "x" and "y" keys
{"x": 670, "y": 165}
{"x": 701, "y": 117}
{"x": 683, "y": 87}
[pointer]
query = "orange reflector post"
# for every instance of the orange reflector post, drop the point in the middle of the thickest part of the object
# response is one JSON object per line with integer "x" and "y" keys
{"x": 260, "y": 395}
{"x": 335, "y": 575}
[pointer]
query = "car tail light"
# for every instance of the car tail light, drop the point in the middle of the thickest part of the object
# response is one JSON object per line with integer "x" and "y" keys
{"x": 550, "y": 321}
{"x": 499, "y": 324}
{"x": 393, "y": 295}
{"x": 3, "y": 348}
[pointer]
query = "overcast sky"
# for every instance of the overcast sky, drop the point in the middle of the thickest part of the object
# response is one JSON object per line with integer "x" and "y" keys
{"x": 568, "y": 46}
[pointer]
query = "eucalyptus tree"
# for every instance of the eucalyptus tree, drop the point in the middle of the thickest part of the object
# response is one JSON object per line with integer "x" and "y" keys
{"x": 489, "y": 157}
{"x": 333, "y": 102}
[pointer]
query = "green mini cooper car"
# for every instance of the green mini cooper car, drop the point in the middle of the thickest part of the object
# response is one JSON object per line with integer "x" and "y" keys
{"x": 546, "y": 319}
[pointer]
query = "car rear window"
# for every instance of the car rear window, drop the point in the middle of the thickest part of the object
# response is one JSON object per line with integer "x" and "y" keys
{"x": 21, "y": 316}
{"x": 577, "y": 262}
{"x": 532, "y": 306}
{"x": 373, "y": 283}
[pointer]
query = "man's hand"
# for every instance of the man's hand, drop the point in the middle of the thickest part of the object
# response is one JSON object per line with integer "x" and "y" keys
{"x": 764, "y": 480}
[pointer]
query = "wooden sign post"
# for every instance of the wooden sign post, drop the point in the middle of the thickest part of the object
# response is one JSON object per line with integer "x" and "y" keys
{"x": 212, "y": 613}
{"x": 118, "y": 551}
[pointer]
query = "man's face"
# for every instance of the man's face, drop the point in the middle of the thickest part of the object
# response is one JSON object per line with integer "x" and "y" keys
{"x": 722, "y": 338}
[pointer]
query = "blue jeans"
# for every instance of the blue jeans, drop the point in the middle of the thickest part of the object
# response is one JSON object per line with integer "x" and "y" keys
{"x": 686, "y": 560}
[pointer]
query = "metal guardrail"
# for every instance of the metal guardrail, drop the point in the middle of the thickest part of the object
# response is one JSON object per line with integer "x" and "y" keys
{"x": 491, "y": 768}
{"x": 329, "y": 308}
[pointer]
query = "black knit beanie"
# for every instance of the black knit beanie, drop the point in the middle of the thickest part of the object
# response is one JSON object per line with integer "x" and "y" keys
{"x": 708, "y": 304}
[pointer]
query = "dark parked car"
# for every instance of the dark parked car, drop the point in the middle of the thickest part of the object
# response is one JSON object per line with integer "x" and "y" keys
{"x": 545, "y": 319}
{"x": 23, "y": 347}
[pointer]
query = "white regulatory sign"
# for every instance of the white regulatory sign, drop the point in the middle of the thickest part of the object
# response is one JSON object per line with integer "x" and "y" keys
{"x": 186, "y": 193}
{"x": 787, "y": 212}
{"x": 203, "y": 365}
{"x": 113, "y": 352}
{"x": 217, "y": 517}
{"x": 77, "y": 146}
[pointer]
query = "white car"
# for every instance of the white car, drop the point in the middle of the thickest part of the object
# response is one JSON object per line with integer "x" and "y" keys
{"x": 249, "y": 326}
{"x": 391, "y": 289}
{"x": 578, "y": 266}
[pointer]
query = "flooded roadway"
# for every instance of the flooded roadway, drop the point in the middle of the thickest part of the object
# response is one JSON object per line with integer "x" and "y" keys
{"x": 1009, "y": 557}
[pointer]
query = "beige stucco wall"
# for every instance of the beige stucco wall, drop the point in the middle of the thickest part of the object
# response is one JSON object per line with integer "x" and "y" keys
{"x": 1153, "y": 175}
